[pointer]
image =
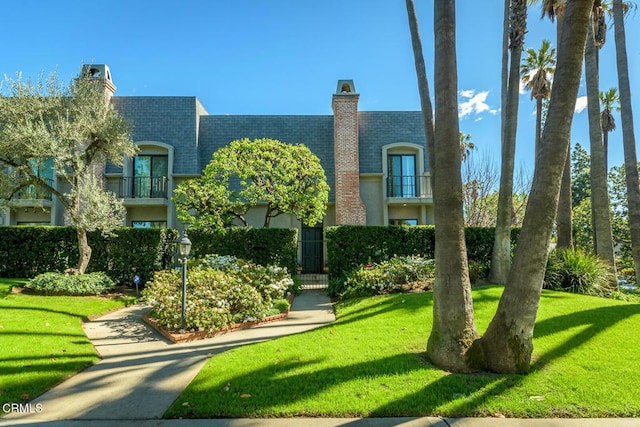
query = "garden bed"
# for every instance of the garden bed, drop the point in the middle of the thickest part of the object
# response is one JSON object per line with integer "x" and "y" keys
{"x": 177, "y": 337}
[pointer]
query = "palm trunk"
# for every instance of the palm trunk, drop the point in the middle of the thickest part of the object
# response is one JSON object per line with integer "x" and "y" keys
{"x": 423, "y": 85}
{"x": 538, "y": 128}
{"x": 564, "y": 220}
{"x": 453, "y": 330}
{"x": 601, "y": 219}
{"x": 628, "y": 135}
{"x": 508, "y": 342}
{"x": 501, "y": 256}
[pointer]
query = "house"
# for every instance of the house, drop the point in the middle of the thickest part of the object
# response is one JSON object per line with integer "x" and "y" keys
{"x": 375, "y": 161}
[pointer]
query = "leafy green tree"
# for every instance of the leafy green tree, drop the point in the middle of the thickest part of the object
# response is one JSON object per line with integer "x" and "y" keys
{"x": 284, "y": 178}
{"x": 580, "y": 175}
{"x": 73, "y": 130}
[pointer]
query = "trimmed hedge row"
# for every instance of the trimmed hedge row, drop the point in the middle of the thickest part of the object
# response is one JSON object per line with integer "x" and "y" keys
{"x": 349, "y": 246}
{"x": 263, "y": 246}
{"x": 29, "y": 251}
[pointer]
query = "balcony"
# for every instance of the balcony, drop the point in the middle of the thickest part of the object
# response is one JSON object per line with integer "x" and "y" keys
{"x": 143, "y": 187}
{"x": 31, "y": 192}
{"x": 408, "y": 187}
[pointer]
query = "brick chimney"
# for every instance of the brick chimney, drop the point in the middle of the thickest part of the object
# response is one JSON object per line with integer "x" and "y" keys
{"x": 349, "y": 206}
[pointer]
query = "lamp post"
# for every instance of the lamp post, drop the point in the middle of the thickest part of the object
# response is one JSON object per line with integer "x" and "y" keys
{"x": 184, "y": 245}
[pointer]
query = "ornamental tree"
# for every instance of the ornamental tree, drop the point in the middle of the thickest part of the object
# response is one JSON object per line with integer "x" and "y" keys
{"x": 284, "y": 178}
{"x": 69, "y": 131}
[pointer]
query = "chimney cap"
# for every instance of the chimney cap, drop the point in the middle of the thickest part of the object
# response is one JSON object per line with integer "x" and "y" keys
{"x": 346, "y": 87}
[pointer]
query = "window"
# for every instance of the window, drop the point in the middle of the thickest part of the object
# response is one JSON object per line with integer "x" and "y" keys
{"x": 402, "y": 181}
{"x": 150, "y": 176}
{"x": 403, "y": 221}
{"x": 149, "y": 224}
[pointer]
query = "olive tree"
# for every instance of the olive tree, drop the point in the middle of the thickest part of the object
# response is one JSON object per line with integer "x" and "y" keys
{"x": 73, "y": 130}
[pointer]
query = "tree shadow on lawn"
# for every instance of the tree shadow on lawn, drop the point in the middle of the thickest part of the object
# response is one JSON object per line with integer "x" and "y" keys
{"x": 408, "y": 302}
{"x": 275, "y": 386}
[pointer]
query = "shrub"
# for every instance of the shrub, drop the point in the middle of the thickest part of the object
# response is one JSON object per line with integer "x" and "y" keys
{"x": 281, "y": 305}
{"x": 263, "y": 246}
{"x": 221, "y": 290}
{"x": 396, "y": 275}
{"x": 478, "y": 270}
{"x": 576, "y": 271}
{"x": 28, "y": 251}
{"x": 61, "y": 284}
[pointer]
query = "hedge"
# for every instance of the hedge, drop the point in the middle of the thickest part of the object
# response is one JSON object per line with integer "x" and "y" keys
{"x": 28, "y": 251}
{"x": 263, "y": 246}
{"x": 348, "y": 246}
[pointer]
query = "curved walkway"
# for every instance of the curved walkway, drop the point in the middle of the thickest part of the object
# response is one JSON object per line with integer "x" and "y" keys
{"x": 142, "y": 373}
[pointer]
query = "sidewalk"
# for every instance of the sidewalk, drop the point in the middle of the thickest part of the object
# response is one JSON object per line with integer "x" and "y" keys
{"x": 141, "y": 373}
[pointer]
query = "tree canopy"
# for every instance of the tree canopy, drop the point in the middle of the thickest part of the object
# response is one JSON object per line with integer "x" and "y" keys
{"x": 284, "y": 178}
{"x": 51, "y": 132}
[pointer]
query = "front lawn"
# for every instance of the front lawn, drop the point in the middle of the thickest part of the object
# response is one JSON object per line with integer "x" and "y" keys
{"x": 370, "y": 363}
{"x": 42, "y": 341}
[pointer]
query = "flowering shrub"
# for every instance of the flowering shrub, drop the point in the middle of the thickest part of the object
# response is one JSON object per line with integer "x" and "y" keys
{"x": 396, "y": 275}
{"x": 221, "y": 290}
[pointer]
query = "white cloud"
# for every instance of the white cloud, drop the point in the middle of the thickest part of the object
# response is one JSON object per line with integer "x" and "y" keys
{"x": 581, "y": 104}
{"x": 475, "y": 103}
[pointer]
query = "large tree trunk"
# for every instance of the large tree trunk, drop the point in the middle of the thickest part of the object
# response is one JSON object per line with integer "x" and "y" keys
{"x": 628, "y": 134}
{"x": 538, "y": 129}
{"x": 508, "y": 342}
{"x": 423, "y": 85}
{"x": 84, "y": 251}
{"x": 564, "y": 217}
{"x": 501, "y": 257}
{"x": 603, "y": 238}
{"x": 453, "y": 329}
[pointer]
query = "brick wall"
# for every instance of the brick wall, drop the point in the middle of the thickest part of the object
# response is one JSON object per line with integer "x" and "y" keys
{"x": 348, "y": 204}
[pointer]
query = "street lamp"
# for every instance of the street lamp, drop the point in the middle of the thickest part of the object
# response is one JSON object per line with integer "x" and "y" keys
{"x": 184, "y": 246}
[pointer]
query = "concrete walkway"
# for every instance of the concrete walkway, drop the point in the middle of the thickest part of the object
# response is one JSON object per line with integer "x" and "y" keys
{"x": 141, "y": 374}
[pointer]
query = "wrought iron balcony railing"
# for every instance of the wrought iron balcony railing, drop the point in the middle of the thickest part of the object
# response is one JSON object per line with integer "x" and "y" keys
{"x": 143, "y": 187}
{"x": 32, "y": 192}
{"x": 408, "y": 186}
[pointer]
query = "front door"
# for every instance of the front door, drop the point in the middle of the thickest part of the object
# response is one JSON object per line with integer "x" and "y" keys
{"x": 312, "y": 250}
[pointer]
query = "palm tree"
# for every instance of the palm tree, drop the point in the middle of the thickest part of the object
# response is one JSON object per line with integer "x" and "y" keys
{"x": 537, "y": 69}
{"x": 628, "y": 134}
{"x": 508, "y": 343}
{"x": 453, "y": 330}
{"x": 610, "y": 102}
{"x": 600, "y": 214}
{"x": 423, "y": 84}
{"x": 466, "y": 145}
{"x": 501, "y": 256}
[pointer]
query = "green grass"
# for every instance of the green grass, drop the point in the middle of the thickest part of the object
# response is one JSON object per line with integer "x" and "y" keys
{"x": 370, "y": 362}
{"x": 42, "y": 341}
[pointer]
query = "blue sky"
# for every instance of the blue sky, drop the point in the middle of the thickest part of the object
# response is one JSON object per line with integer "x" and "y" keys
{"x": 286, "y": 56}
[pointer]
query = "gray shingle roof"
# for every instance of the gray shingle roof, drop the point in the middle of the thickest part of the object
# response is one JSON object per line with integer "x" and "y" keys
{"x": 167, "y": 119}
{"x": 379, "y": 128}
{"x": 316, "y": 132}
